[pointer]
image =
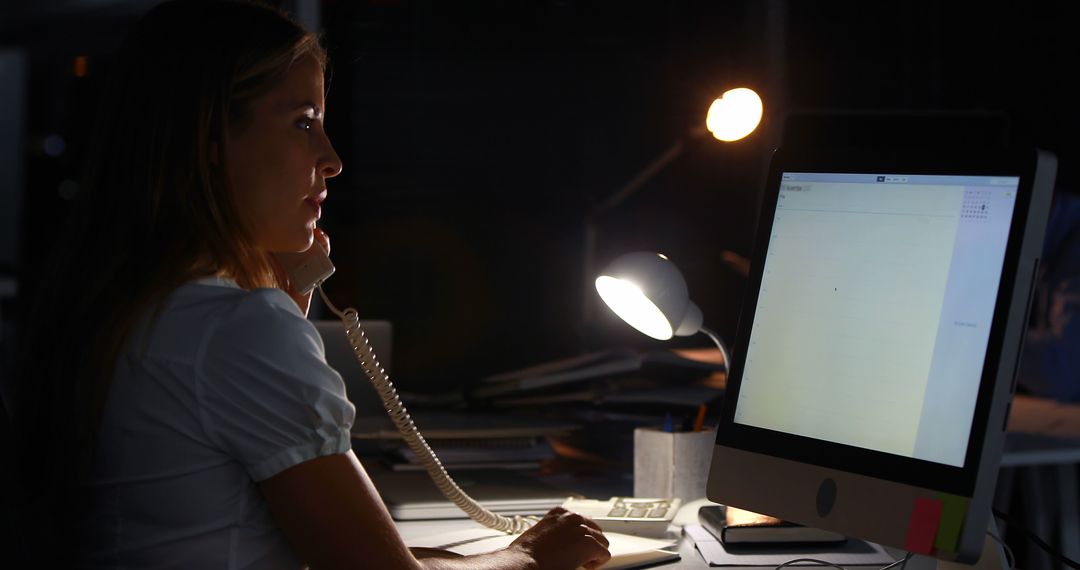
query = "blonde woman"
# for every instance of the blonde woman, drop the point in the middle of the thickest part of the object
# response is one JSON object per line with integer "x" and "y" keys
{"x": 179, "y": 412}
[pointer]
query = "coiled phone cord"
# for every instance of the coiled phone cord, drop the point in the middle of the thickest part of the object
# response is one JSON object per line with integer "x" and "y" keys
{"x": 405, "y": 425}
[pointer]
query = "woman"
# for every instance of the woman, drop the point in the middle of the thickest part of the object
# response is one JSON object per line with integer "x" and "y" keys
{"x": 210, "y": 432}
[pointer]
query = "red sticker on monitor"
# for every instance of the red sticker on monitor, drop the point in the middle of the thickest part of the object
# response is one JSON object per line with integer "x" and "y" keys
{"x": 925, "y": 519}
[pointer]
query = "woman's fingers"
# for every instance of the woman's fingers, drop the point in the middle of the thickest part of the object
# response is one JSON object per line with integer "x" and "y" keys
{"x": 596, "y": 534}
{"x": 322, "y": 240}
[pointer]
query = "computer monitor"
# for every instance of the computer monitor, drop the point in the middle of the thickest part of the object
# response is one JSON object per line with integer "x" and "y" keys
{"x": 877, "y": 346}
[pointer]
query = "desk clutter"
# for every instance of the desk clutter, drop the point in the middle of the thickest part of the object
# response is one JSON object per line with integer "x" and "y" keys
{"x": 413, "y": 496}
{"x": 738, "y": 527}
{"x": 849, "y": 553}
{"x": 638, "y": 516}
{"x": 623, "y": 379}
{"x": 609, "y": 393}
{"x": 463, "y": 441}
{"x": 670, "y": 463}
{"x": 518, "y": 453}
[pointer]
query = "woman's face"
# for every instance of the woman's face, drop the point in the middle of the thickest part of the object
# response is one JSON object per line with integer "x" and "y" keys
{"x": 278, "y": 164}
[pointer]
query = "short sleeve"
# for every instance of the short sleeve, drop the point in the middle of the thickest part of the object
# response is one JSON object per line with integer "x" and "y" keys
{"x": 266, "y": 395}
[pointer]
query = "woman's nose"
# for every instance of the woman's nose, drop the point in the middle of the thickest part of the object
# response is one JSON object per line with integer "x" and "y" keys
{"x": 331, "y": 163}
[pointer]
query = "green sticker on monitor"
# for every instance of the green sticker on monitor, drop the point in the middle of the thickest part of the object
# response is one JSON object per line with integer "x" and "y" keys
{"x": 952, "y": 521}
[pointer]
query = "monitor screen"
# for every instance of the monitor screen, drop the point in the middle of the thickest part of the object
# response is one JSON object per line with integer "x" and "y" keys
{"x": 875, "y": 309}
{"x": 877, "y": 345}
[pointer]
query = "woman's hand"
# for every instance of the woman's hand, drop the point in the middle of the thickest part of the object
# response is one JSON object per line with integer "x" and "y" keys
{"x": 563, "y": 540}
{"x": 302, "y": 300}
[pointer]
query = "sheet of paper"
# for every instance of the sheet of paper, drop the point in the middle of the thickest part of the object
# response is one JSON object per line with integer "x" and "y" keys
{"x": 626, "y": 551}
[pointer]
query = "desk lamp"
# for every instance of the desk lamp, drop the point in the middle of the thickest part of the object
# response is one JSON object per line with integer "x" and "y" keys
{"x": 648, "y": 292}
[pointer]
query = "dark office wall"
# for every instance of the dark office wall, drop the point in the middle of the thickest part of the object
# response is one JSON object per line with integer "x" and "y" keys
{"x": 1014, "y": 58}
{"x": 12, "y": 129}
{"x": 479, "y": 136}
{"x": 56, "y": 115}
{"x": 476, "y": 137}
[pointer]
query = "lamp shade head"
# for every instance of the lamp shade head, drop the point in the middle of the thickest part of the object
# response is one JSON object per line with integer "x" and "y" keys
{"x": 648, "y": 292}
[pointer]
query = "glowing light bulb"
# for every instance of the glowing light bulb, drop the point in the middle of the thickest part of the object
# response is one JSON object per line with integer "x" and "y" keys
{"x": 630, "y": 303}
{"x": 735, "y": 114}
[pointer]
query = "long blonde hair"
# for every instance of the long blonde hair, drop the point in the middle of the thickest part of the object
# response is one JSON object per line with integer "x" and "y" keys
{"x": 155, "y": 210}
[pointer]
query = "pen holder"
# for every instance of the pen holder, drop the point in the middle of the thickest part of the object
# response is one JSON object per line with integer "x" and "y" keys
{"x": 672, "y": 464}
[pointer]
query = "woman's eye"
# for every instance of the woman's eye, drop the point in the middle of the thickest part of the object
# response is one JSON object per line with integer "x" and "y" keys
{"x": 305, "y": 123}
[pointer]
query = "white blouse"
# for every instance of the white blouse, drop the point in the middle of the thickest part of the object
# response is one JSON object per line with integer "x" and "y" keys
{"x": 224, "y": 389}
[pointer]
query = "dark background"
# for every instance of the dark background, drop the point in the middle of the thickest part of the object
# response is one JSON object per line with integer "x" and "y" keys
{"x": 478, "y": 136}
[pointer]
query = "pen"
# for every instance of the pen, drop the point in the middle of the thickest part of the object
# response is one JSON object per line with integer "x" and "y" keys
{"x": 700, "y": 420}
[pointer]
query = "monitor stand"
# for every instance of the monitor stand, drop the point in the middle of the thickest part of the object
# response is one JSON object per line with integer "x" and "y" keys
{"x": 992, "y": 557}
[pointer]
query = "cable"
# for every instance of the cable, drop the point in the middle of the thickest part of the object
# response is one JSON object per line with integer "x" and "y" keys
{"x": 1038, "y": 541}
{"x": 416, "y": 442}
{"x": 1010, "y": 559}
{"x": 902, "y": 562}
{"x": 814, "y": 560}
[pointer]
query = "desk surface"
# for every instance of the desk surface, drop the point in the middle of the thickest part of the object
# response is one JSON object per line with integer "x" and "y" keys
{"x": 690, "y": 557}
{"x": 1041, "y": 432}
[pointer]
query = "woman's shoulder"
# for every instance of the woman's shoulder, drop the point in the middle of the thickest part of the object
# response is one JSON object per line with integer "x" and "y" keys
{"x": 220, "y": 316}
{"x": 224, "y": 297}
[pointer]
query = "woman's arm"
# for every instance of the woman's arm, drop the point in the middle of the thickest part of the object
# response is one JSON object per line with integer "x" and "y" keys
{"x": 333, "y": 517}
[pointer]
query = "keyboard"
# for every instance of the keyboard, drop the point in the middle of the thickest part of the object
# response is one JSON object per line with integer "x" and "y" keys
{"x": 628, "y": 515}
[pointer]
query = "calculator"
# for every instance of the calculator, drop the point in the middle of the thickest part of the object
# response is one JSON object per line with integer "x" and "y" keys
{"x": 628, "y": 515}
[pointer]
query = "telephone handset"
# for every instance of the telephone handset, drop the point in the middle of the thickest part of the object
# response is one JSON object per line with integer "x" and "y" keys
{"x": 308, "y": 270}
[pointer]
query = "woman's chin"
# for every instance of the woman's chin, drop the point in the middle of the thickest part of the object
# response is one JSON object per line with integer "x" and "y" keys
{"x": 295, "y": 244}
